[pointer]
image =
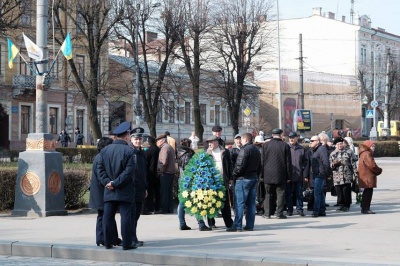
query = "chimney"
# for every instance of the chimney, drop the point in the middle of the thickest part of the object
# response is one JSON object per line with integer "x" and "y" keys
{"x": 331, "y": 15}
{"x": 151, "y": 36}
{"x": 317, "y": 11}
{"x": 343, "y": 18}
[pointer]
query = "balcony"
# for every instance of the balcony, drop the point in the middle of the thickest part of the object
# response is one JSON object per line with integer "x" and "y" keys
{"x": 23, "y": 85}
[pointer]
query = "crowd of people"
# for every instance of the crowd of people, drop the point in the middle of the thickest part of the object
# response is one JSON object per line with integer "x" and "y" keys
{"x": 262, "y": 175}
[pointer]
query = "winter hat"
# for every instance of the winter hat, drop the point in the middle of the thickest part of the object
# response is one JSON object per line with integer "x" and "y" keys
{"x": 368, "y": 143}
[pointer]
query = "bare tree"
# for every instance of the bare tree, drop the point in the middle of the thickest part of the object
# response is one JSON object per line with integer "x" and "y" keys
{"x": 195, "y": 25}
{"x": 94, "y": 21}
{"x": 152, "y": 82}
{"x": 10, "y": 14}
{"x": 240, "y": 35}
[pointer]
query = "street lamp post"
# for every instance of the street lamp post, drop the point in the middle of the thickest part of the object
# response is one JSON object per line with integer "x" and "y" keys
{"x": 138, "y": 108}
{"x": 373, "y": 134}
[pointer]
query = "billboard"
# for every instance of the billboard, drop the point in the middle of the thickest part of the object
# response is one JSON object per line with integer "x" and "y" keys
{"x": 302, "y": 120}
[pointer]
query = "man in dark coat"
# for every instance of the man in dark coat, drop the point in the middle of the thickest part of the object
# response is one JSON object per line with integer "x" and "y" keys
{"x": 245, "y": 173}
{"x": 115, "y": 171}
{"x": 295, "y": 187}
{"x": 96, "y": 198}
{"x": 64, "y": 138}
{"x": 319, "y": 169}
{"x": 276, "y": 172}
{"x": 152, "y": 201}
{"x": 140, "y": 177}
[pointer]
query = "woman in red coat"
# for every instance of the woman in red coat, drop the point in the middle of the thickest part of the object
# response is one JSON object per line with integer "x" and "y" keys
{"x": 367, "y": 170}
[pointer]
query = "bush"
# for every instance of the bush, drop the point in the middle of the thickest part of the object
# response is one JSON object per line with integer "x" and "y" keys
{"x": 76, "y": 183}
{"x": 8, "y": 178}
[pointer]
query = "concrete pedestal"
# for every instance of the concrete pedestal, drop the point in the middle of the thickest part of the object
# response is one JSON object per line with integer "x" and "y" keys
{"x": 39, "y": 191}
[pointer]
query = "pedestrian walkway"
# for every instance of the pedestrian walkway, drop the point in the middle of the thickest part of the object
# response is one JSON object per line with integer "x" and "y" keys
{"x": 349, "y": 238}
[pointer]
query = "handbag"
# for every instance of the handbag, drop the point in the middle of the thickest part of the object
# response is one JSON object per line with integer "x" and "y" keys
{"x": 307, "y": 193}
{"x": 354, "y": 186}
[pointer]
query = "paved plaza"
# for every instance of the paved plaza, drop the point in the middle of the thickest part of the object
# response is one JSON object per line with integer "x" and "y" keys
{"x": 340, "y": 238}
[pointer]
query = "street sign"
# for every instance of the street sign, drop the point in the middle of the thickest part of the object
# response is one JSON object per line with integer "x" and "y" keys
{"x": 247, "y": 111}
{"x": 246, "y": 121}
{"x": 374, "y": 104}
{"x": 369, "y": 114}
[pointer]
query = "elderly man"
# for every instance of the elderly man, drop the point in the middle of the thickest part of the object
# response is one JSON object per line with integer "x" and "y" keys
{"x": 245, "y": 173}
{"x": 115, "y": 171}
{"x": 295, "y": 186}
{"x": 216, "y": 131}
{"x": 223, "y": 163}
{"x": 277, "y": 171}
{"x": 319, "y": 168}
{"x": 166, "y": 172}
{"x": 140, "y": 179}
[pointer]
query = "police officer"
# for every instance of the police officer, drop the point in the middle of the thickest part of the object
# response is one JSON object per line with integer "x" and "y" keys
{"x": 115, "y": 171}
{"x": 139, "y": 177}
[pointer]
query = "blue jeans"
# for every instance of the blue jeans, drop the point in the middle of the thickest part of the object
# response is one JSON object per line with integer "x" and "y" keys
{"x": 245, "y": 195}
{"x": 294, "y": 188}
{"x": 181, "y": 215}
{"x": 319, "y": 195}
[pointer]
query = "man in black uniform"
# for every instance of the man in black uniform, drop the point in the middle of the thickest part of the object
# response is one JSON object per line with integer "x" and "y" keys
{"x": 153, "y": 188}
{"x": 140, "y": 179}
{"x": 64, "y": 138}
{"x": 115, "y": 171}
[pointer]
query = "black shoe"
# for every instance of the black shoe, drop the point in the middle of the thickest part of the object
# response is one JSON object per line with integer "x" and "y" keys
{"x": 160, "y": 212}
{"x": 345, "y": 209}
{"x": 340, "y": 209}
{"x": 109, "y": 247}
{"x": 247, "y": 228}
{"x": 233, "y": 229}
{"x": 336, "y": 205}
{"x": 367, "y": 212}
{"x": 138, "y": 243}
{"x": 133, "y": 246}
{"x": 326, "y": 205}
{"x": 185, "y": 227}
{"x": 119, "y": 242}
{"x": 301, "y": 213}
{"x": 281, "y": 217}
{"x": 322, "y": 214}
{"x": 205, "y": 228}
{"x": 314, "y": 215}
{"x": 147, "y": 213}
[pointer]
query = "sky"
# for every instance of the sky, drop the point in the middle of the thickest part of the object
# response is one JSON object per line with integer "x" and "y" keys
{"x": 383, "y": 13}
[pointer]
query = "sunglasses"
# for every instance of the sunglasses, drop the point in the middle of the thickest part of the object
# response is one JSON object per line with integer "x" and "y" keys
{"x": 313, "y": 140}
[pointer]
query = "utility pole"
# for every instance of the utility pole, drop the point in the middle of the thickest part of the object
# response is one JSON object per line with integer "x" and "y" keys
{"x": 301, "y": 83}
{"x": 386, "y": 122}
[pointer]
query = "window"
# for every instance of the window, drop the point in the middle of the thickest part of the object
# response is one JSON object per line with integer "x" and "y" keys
{"x": 187, "y": 112}
{"x": 363, "y": 55}
{"x": 80, "y": 66}
{"x": 26, "y": 8}
{"x": 24, "y": 69}
{"x": 25, "y": 119}
{"x": 80, "y": 24}
{"x": 53, "y": 112}
{"x": 203, "y": 114}
{"x": 339, "y": 124}
{"x": 79, "y": 119}
{"x": 223, "y": 117}
{"x": 181, "y": 113}
{"x": 171, "y": 112}
{"x": 217, "y": 114}
{"x": 159, "y": 112}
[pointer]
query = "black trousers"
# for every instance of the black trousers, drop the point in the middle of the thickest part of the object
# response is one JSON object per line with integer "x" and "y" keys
{"x": 136, "y": 211}
{"x": 343, "y": 195}
{"x": 152, "y": 188}
{"x": 99, "y": 229}
{"x": 274, "y": 198}
{"x": 167, "y": 201}
{"x": 366, "y": 198}
{"x": 125, "y": 210}
{"x": 226, "y": 215}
